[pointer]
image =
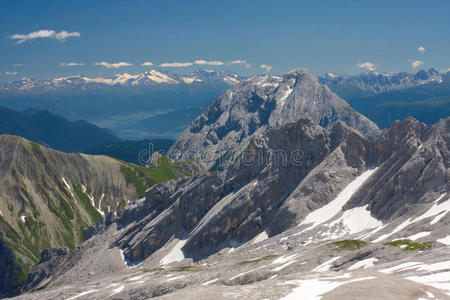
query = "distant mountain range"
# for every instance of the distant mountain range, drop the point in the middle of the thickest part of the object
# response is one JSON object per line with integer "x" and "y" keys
{"x": 152, "y": 78}
{"x": 54, "y": 131}
{"x": 375, "y": 82}
{"x": 159, "y": 104}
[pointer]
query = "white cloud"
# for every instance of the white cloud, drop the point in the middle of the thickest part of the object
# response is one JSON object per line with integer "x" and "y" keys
{"x": 147, "y": 63}
{"x": 240, "y": 62}
{"x": 367, "y": 65}
{"x": 266, "y": 68}
{"x": 421, "y": 49}
{"x": 176, "y": 64}
{"x": 70, "y": 64}
{"x": 210, "y": 63}
{"x": 417, "y": 63}
{"x": 113, "y": 65}
{"x": 51, "y": 34}
{"x": 18, "y": 65}
{"x": 10, "y": 73}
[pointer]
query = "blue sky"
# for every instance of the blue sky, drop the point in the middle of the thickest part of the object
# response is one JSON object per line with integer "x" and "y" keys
{"x": 323, "y": 36}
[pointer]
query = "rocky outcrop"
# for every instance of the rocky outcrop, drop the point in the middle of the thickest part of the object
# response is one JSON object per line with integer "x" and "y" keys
{"x": 260, "y": 103}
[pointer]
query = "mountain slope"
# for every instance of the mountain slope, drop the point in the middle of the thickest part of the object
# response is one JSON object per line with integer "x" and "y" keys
{"x": 262, "y": 103}
{"x": 271, "y": 224}
{"x": 52, "y": 130}
{"x": 48, "y": 197}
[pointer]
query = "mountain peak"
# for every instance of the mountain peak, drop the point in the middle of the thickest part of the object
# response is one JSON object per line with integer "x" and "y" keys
{"x": 260, "y": 103}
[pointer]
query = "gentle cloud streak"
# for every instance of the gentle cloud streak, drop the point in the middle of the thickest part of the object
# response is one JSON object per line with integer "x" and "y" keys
{"x": 266, "y": 68}
{"x": 367, "y": 65}
{"x": 51, "y": 34}
{"x": 417, "y": 63}
{"x": 176, "y": 64}
{"x": 209, "y": 63}
{"x": 147, "y": 63}
{"x": 240, "y": 62}
{"x": 10, "y": 73}
{"x": 18, "y": 65}
{"x": 113, "y": 65}
{"x": 71, "y": 64}
{"x": 421, "y": 49}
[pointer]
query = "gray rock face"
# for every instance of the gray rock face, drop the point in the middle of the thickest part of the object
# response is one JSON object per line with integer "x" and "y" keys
{"x": 267, "y": 191}
{"x": 260, "y": 103}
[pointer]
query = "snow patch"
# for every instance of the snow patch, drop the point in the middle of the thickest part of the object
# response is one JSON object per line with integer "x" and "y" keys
{"x": 82, "y": 294}
{"x": 437, "y": 280}
{"x": 400, "y": 267}
{"x": 117, "y": 290}
{"x": 313, "y": 288}
{"x": 1, "y": 214}
{"x": 326, "y": 265}
{"x": 277, "y": 269}
{"x": 260, "y": 237}
{"x": 136, "y": 278}
{"x": 175, "y": 255}
{"x": 68, "y": 186}
{"x": 175, "y": 278}
{"x": 242, "y": 274}
{"x": 366, "y": 263}
{"x": 285, "y": 95}
{"x": 210, "y": 281}
{"x": 284, "y": 259}
{"x": 329, "y": 210}
{"x": 23, "y": 218}
{"x": 437, "y": 210}
{"x": 418, "y": 235}
{"x": 358, "y": 219}
{"x": 445, "y": 240}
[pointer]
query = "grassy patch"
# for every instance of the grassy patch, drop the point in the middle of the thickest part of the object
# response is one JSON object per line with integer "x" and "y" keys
{"x": 143, "y": 178}
{"x": 408, "y": 245}
{"x": 186, "y": 269}
{"x": 255, "y": 260}
{"x": 147, "y": 270}
{"x": 348, "y": 245}
{"x": 84, "y": 199}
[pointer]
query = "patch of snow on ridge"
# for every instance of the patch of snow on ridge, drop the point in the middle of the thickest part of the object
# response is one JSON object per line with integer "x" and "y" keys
{"x": 82, "y": 294}
{"x": 418, "y": 235}
{"x": 260, "y": 237}
{"x": 437, "y": 280}
{"x": 445, "y": 240}
{"x": 358, "y": 219}
{"x": 175, "y": 255}
{"x": 326, "y": 265}
{"x": 366, "y": 263}
{"x": 1, "y": 214}
{"x": 285, "y": 95}
{"x": 314, "y": 288}
{"x": 329, "y": 210}
{"x": 437, "y": 210}
{"x": 68, "y": 186}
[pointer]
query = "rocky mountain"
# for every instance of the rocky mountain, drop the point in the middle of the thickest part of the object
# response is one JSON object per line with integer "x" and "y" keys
{"x": 151, "y": 78}
{"x": 307, "y": 203}
{"x": 262, "y": 103}
{"x": 47, "y": 199}
{"x": 374, "y": 82}
{"x": 54, "y": 131}
{"x": 343, "y": 214}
